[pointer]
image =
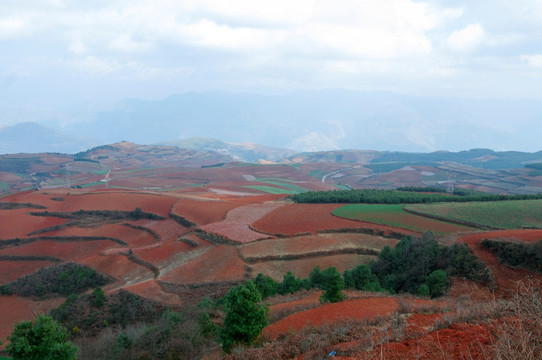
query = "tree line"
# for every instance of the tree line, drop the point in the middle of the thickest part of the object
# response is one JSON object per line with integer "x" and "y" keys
{"x": 375, "y": 196}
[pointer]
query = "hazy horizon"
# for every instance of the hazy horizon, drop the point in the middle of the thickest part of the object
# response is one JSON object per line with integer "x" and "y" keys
{"x": 63, "y": 62}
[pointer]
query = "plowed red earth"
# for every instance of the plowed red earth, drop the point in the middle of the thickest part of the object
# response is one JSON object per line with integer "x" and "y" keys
{"x": 203, "y": 212}
{"x": 68, "y": 251}
{"x": 355, "y": 309}
{"x": 151, "y": 290}
{"x": 133, "y": 237}
{"x": 217, "y": 264}
{"x": 18, "y": 224}
{"x": 314, "y": 243}
{"x": 118, "y": 266}
{"x": 103, "y": 200}
{"x": 459, "y": 341}
{"x": 12, "y": 270}
{"x": 167, "y": 229}
{"x": 163, "y": 253}
{"x": 505, "y": 276}
{"x": 16, "y": 309}
{"x": 295, "y": 219}
{"x": 236, "y": 224}
{"x": 302, "y": 267}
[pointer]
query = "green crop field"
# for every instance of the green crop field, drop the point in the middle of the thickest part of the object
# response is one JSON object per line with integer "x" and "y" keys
{"x": 289, "y": 186}
{"x": 270, "y": 189}
{"x": 394, "y": 215}
{"x": 512, "y": 214}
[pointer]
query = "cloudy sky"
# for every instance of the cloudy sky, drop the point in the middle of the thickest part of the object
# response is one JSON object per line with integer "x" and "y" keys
{"x": 59, "y": 52}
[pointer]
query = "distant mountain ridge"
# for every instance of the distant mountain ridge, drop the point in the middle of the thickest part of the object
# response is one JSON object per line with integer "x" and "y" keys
{"x": 247, "y": 152}
{"x": 30, "y": 137}
{"x": 321, "y": 121}
{"x": 141, "y": 166}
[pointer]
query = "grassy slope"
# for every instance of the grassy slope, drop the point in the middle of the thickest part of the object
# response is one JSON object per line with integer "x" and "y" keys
{"x": 501, "y": 214}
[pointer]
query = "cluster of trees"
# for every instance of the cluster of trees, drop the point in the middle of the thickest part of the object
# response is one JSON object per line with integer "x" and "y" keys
{"x": 41, "y": 339}
{"x": 374, "y": 196}
{"x": 416, "y": 265}
{"x": 528, "y": 256}
{"x": 63, "y": 279}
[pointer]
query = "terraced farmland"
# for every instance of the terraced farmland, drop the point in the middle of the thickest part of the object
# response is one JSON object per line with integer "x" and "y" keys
{"x": 501, "y": 214}
{"x": 394, "y": 215}
{"x": 313, "y": 245}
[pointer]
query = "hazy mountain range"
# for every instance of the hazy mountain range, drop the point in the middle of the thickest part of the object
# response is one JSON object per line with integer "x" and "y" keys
{"x": 302, "y": 121}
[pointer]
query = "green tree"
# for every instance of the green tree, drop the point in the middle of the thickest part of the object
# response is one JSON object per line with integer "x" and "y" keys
{"x": 245, "y": 317}
{"x": 265, "y": 285}
{"x": 290, "y": 284}
{"x": 99, "y": 297}
{"x": 332, "y": 284}
{"x": 43, "y": 339}
{"x": 361, "y": 278}
{"x": 423, "y": 290}
{"x": 436, "y": 281}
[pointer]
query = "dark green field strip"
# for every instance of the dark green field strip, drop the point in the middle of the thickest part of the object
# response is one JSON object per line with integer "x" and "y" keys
{"x": 515, "y": 214}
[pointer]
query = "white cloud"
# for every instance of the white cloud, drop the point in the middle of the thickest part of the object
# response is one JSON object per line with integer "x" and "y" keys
{"x": 467, "y": 39}
{"x": 532, "y": 60}
{"x": 125, "y": 43}
{"x": 13, "y": 27}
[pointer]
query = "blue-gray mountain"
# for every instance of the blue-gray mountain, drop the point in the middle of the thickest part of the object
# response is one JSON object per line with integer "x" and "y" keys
{"x": 325, "y": 120}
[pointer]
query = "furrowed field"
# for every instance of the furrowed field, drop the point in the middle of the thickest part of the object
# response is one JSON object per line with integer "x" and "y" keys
{"x": 513, "y": 214}
{"x": 394, "y": 215}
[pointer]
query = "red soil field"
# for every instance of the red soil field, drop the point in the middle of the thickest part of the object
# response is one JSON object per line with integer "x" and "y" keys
{"x": 459, "y": 341}
{"x": 133, "y": 237}
{"x": 312, "y": 299}
{"x": 6, "y": 177}
{"x": 20, "y": 224}
{"x": 203, "y": 212}
{"x": 163, "y": 254}
{"x": 118, "y": 266}
{"x": 167, "y": 229}
{"x": 69, "y": 251}
{"x": 217, "y": 264}
{"x": 506, "y": 277}
{"x": 313, "y": 243}
{"x": 12, "y": 270}
{"x": 151, "y": 290}
{"x": 114, "y": 200}
{"x": 295, "y": 219}
{"x": 302, "y": 267}
{"x": 236, "y": 224}
{"x": 354, "y": 309}
{"x": 16, "y": 309}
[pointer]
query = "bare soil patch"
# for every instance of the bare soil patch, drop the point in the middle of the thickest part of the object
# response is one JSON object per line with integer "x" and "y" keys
{"x": 221, "y": 263}
{"x": 237, "y": 222}
{"x": 295, "y": 219}
{"x": 354, "y": 309}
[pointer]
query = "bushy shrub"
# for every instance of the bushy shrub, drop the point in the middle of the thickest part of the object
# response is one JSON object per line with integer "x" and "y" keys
{"x": 245, "y": 317}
